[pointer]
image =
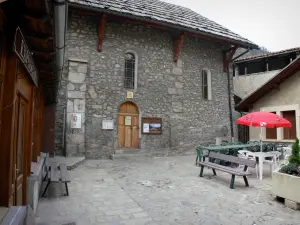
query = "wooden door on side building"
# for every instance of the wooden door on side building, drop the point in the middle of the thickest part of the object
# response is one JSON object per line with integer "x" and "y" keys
{"x": 128, "y": 126}
{"x": 22, "y": 143}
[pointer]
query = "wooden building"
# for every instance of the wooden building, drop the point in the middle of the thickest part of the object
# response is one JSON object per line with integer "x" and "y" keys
{"x": 28, "y": 81}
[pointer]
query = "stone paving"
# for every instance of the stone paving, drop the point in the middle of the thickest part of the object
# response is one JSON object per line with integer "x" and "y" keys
{"x": 160, "y": 191}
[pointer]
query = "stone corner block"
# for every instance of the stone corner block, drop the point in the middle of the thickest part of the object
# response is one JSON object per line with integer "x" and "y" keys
{"x": 76, "y": 94}
{"x": 177, "y": 71}
{"x": 79, "y": 105}
{"x": 74, "y": 59}
{"x": 291, "y": 204}
{"x": 70, "y": 107}
{"x": 82, "y": 87}
{"x": 76, "y": 77}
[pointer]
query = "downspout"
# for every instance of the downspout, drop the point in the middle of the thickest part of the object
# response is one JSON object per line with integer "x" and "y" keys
{"x": 60, "y": 8}
{"x": 229, "y": 93}
{"x": 229, "y": 103}
{"x": 60, "y": 28}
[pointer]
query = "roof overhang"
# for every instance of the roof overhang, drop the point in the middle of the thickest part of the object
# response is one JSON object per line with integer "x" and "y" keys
{"x": 192, "y": 32}
{"x": 273, "y": 83}
{"x": 267, "y": 55}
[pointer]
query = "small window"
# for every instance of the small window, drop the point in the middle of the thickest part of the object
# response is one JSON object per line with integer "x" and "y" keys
{"x": 206, "y": 85}
{"x": 129, "y": 78}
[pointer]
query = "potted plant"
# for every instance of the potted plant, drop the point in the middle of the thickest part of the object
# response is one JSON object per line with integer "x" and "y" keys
{"x": 286, "y": 180}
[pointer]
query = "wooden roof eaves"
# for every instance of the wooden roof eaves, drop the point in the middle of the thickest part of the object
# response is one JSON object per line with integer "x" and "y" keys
{"x": 97, "y": 12}
{"x": 273, "y": 83}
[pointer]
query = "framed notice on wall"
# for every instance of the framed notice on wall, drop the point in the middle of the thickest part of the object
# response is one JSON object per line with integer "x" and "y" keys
{"x": 151, "y": 125}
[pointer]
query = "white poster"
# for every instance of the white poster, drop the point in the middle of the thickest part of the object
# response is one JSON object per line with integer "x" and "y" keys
{"x": 146, "y": 128}
{"x": 107, "y": 124}
{"x": 76, "y": 120}
{"x": 128, "y": 120}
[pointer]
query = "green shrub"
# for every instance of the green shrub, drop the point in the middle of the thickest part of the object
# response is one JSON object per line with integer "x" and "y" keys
{"x": 295, "y": 157}
{"x": 292, "y": 169}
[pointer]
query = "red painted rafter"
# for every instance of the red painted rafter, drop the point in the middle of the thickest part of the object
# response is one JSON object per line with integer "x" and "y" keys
{"x": 101, "y": 32}
{"x": 177, "y": 46}
{"x": 227, "y": 57}
{"x": 149, "y": 24}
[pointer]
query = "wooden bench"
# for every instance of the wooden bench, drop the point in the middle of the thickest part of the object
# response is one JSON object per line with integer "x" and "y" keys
{"x": 233, "y": 171}
{"x": 56, "y": 174}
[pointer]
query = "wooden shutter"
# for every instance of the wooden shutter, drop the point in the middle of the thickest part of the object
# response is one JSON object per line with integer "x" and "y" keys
{"x": 271, "y": 133}
{"x": 289, "y": 133}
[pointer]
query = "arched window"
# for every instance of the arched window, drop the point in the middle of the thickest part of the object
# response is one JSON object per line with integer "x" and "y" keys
{"x": 130, "y": 70}
{"x": 206, "y": 84}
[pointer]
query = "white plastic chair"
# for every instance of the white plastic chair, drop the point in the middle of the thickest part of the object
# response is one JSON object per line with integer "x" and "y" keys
{"x": 274, "y": 161}
{"x": 287, "y": 152}
{"x": 245, "y": 154}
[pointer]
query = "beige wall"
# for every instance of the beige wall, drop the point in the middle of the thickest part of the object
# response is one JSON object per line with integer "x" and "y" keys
{"x": 284, "y": 99}
{"x": 246, "y": 84}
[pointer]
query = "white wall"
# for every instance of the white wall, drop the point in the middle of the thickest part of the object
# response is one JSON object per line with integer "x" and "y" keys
{"x": 285, "y": 99}
{"x": 246, "y": 84}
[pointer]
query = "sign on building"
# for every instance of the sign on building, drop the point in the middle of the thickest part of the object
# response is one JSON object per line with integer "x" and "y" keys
{"x": 76, "y": 120}
{"x": 25, "y": 55}
{"x": 151, "y": 125}
{"x": 107, "y": 124}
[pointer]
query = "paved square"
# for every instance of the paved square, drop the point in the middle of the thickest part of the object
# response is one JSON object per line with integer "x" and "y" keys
{"x": 160, "y": 191}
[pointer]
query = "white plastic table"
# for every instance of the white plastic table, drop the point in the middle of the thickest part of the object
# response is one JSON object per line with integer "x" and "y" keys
{"x": 261, "y": 156}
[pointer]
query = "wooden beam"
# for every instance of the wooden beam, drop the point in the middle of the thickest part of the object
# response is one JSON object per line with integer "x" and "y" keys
{"x": 178, "y": 42}
{"x": 154, "y": 25}
{"x": 101, "y": 32}
{"x": 227, "y": 58}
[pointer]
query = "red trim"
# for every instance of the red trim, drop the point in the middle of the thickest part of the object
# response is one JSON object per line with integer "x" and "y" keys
{"x": 177, "y": 46}
{"x": 227, "y": 59}
{"x": 101, "y": 32}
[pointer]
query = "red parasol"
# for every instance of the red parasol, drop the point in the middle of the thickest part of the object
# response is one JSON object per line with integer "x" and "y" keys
{"x": 264, "y": 119}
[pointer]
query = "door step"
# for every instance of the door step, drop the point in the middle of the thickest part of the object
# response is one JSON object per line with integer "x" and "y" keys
{"x": 130, "y": 154}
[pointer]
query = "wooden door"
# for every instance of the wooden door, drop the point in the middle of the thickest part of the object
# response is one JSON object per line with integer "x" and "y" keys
{"x": 128, "y": 126}
{"x": 19, "y": 157}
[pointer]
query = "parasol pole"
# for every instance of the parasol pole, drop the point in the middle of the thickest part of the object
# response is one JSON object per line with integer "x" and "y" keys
{"x": 261, "y": 129}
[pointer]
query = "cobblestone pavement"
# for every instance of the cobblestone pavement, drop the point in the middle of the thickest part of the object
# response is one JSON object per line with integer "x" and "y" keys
{"x": 160, "y": 191}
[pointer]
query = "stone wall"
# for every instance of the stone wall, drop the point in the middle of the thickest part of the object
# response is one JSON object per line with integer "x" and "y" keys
{"x": 164, "y": 89}
{"x": 76, "y": 88}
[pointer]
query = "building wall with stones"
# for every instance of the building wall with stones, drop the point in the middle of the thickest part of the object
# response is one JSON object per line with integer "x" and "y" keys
{"x": 164, "y": 89}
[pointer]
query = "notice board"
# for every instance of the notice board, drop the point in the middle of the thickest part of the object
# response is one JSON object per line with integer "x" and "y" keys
{"x": 151, "y": 125}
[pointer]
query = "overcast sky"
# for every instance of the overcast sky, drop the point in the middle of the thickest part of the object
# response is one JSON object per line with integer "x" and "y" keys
{"x": 274, "y": 24}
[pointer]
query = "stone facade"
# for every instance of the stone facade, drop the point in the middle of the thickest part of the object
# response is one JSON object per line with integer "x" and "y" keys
{"x": 164, "y": 89}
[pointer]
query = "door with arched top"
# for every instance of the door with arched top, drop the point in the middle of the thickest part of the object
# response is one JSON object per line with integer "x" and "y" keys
{"x": 128, "y": 125}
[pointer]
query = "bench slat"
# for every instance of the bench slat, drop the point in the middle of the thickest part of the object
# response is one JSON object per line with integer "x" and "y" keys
{"x": 64, "y": 172}
{"x": 232, "y": 159}
{"x": 55, "y": 174}
{"x": 224, "y": 169}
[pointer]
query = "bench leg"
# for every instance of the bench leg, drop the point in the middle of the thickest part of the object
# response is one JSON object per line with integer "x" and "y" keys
{"x": 201, "y": 171}
{"x": 214, "y": 171}
{"x": 246, "y": 181}
{"x": 232, "y": 181}
{"x": 67, "y": 190}
{"x": 45, "y": 178}
{"x": 46, "y": 188}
